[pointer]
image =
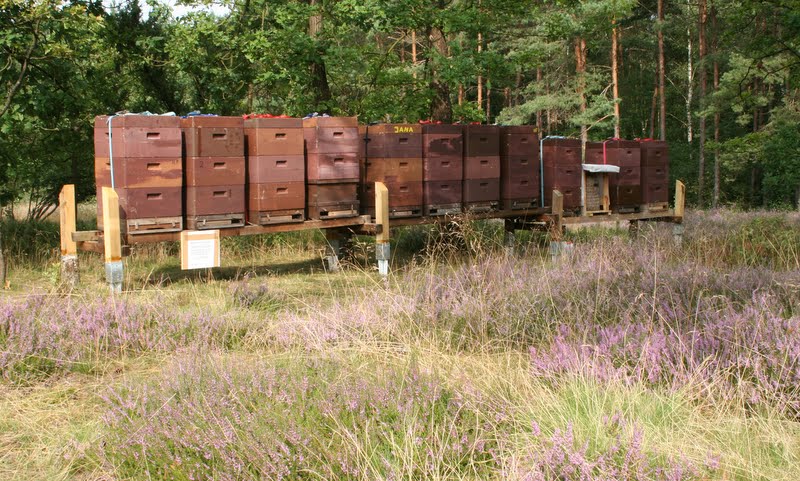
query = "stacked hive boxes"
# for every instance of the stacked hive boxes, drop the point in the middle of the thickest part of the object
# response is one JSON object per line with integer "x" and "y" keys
{"x": 625, "y": 187}
{"x": 393, "y": 155}
{"x": 148, "y": 176}
{"x": 561, "y": 159}
{"x": 332, "y": 171}
{"x": 519, "y": 167}
{"x": 276, "y": 170}
{"x": 215, "y": 172}
{"x": 655, "y": 173}
{"x": 481, "y": 185}
{"x": 443, "y": 168}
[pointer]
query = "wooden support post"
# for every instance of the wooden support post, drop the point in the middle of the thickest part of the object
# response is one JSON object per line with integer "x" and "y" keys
{"x": 382, "y": 247}
{"x": 69, "y": 249}
{"x": 680, "y": 200}
{"x": 557, "y": 214}
{"x": 510, "y": 236}
{"x": 557, "y": 245}
{"x": 633, "y": 229}
{"x": 333, "y": 250}
{"x": 677, "y": 234}
{"x": 112, "y": 240}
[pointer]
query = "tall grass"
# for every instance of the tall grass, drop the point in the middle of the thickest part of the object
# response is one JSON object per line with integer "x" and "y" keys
{"x": 628, "y": 359}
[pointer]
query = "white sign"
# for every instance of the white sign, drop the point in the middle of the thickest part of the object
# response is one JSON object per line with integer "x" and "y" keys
{"x": 199, "y": 249}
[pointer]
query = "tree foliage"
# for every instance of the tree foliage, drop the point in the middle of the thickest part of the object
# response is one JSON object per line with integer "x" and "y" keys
{"x": 401, "y": 60}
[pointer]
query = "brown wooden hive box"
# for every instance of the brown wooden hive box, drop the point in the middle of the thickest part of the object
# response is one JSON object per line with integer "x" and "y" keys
{"x": 212, "y": 136}
{"x": 481, "y": 141}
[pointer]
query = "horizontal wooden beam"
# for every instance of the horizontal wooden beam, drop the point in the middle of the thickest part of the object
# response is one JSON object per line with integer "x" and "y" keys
{"x": 365, "y": 225}
{"x": 666, "y": 215}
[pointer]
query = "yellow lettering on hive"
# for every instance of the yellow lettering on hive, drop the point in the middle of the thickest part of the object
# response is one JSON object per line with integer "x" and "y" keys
{"x": 400, "y": 129}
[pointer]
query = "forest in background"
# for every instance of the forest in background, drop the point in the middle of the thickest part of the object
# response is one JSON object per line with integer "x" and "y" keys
{"x": 718, "y": 80}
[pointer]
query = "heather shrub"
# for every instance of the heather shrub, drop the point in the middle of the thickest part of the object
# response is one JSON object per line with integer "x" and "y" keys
{"x": 225, "y": 419}
{"x": 751, "y": 354}
{"x": 43, "y": 334}
{"x": 770, "y": 239}
{"x": 326, "y": 418}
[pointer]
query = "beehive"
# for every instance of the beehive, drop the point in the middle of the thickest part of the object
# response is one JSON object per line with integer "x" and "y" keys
{"x": 215, "y": 172}
{"x": 393, "y": 155}
{"x": 332, "y": 147}
{"x": 442, "y": 168}
{"x": 148, "y": 177}
{"x": 519, "y": 167}
{"x": 276, "y": 172}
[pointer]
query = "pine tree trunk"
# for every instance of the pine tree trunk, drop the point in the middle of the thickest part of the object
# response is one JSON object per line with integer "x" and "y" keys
{"x": 2, "y": 264}
{"x": 539, "y": 112}
{"x": 488, "y": 104}
{"x": 414, "y": 53}
{"x": 714, "y": 45}
{"x": 615, "y": 78}
{"x": 319, "y": 74}
{"x": 441, "y": 107}
{"x": 661, "y": 74}
{"x": 702, "y": 125}
{"x": 653, "y": 107}
{"x": 689, "y": 82}
{"x": 580, "y": 68}
{"x": 480, "y": 77}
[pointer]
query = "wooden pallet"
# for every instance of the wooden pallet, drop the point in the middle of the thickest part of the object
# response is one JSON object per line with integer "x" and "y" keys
{"x": 218, "y": 221}
{"x": 154, "y": 225}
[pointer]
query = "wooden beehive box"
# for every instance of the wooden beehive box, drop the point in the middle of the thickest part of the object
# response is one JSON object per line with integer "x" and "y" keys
{"x": 596, "y": 190}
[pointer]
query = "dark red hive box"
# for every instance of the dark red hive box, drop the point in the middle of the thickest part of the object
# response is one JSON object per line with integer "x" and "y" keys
{"x": 332, "y": 167}
{"x": 481, "y": 167}
{"x": 331, "y": 135}
{"x": 210, "y": 171}
{"x": 139, "y": 172}
{"x": 138, "y": 136}
{"x": 276, "y": 168}
{"x": 328, "y": 201}
{"x": 275, "y": 196}
{"x": 481, "y": 193}
{"x": 147, "y": 208}
{"x": 442, "y": 140}
{"x": 394, "y": 140}
{"x": 562, "y": 171}
{"x": 519, "y": 140}
{"x": 442, "y": 197}
{"x": 274, "y": 136}
{"x": 212, "y": 136}
{"x": 216, "y": 206}
{"x": 655, "y": 171}
{"x": 481, "y": 141}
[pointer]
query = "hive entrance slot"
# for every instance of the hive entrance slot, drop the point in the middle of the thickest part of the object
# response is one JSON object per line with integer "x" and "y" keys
{"x": 219, "y": 165}
{"x": 218, "y": 135}
{"x": 153, "y": 135}
{"x": 280, "y": 162}
{"x": 280, "y": 135}
{"x": 338, "y": 134}
{"x": 153, "y": 166}
{"x": 154, "y": 196}
{"x": 282, "y": 190}
{"x": 220, "y": 193}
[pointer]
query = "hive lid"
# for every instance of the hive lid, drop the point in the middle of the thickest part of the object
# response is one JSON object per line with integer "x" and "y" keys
{"x": 596, "y": 168}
